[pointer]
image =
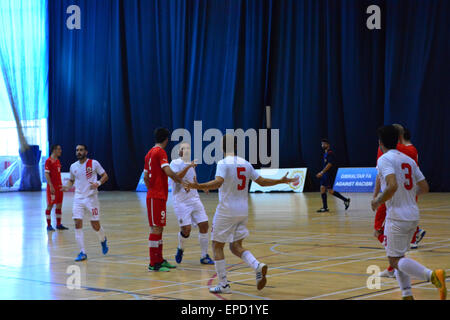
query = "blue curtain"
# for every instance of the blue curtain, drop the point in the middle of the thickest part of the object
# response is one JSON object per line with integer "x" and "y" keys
{"x": 24, "y": 58}
{"x": 136, "y": 65}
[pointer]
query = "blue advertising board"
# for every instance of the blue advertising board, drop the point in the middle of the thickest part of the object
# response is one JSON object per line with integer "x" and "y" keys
{"x": 355, "y": 180}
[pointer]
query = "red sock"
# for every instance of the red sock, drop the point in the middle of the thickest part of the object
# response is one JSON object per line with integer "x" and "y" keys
{"x": 153, "y": 244}
{"x": 390, "y": 269}
{"x": 413, "y": 240}
{"x": 160, "y": 250}
{"x": 48, "y": 217}
{"x": 58, "y": 216}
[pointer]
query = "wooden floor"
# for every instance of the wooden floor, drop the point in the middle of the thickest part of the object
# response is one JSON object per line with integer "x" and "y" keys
{"x": 310, "y": 255}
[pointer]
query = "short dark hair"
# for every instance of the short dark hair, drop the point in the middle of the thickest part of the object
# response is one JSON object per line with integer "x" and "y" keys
{"x": 388, "y": 136}
{"x": 161, "y": 134}
{"x": 53, "y": 147}
{"x": 406, "y": 134}
{"x": 84, "y": 146}
{"x": 325, "y": 140}
{"x": 226, "y": 141}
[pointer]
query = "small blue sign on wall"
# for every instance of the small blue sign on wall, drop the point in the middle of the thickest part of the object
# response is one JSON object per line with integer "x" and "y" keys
{"x": 355, "y": 180}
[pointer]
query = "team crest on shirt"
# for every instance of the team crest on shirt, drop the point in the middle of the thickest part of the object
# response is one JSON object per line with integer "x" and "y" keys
{"x": 88, "y": 172}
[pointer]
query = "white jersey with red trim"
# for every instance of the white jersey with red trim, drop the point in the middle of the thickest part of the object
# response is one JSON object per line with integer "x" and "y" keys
{"x": 83, "y": 175}
{"x": 403, "y": 205}
{"x": 233, "y": 194}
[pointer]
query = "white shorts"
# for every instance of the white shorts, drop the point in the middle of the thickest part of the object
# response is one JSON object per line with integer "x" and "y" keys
{"x": 190, "y": 212}
{"x": 398, "y": 235}
{"x": 229, "y": 229}
{"x": 83, "y": 205}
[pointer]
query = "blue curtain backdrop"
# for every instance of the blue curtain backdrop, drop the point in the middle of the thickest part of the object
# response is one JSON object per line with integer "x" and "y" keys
{"x": 136, "y": 65}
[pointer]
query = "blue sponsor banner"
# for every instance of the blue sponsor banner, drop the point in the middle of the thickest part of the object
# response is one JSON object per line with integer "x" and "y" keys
{"x": 141, "y": 185}
{"x": 355, "y": 180}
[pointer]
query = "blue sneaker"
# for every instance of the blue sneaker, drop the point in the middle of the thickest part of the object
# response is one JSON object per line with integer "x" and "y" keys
{"x": 206, "y": 260}
{"x": 179, "y": 255}
{"x": 104, "y": 246}
{"x": 50, "y": 228}
{"x": 81, "y": 256}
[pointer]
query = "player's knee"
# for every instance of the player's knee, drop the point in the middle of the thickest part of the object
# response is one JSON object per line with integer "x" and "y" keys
{"x": 203, "y": 227}
{"x": 95, "y": 225}
{"x": 186, "y": 231}
{"x": 157, "y": 230}
{"x": 393, "y": 261}
{"x": 235, "y": 248}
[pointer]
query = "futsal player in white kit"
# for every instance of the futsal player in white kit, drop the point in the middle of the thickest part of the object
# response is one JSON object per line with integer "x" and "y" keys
{"x": 188, "y": 207}
{"x": 401, "y": 181}
{"x": 231, "y": 217}
{"x": 83, "y": 174}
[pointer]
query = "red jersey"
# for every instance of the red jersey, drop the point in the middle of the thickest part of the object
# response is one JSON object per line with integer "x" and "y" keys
{"x": 53, "y": 167}
{"x": 409, "y": 150}
{"x": 155, "y": 160}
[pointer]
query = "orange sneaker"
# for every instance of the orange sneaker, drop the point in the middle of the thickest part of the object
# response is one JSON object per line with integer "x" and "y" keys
{"x": 438, "y": 279}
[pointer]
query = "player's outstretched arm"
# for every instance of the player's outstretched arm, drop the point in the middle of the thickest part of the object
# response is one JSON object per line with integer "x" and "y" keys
{"x": 391, "y": 187}
{"x": 210, "y": 185}
{"x": 183, "y": 172}
{"x": 169, "y": 172}
{"x": 266, "y": 182}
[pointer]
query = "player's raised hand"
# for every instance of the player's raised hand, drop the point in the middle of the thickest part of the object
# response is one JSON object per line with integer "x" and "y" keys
{"x": 193, "y": 163}
{"x": 94, "y": 185}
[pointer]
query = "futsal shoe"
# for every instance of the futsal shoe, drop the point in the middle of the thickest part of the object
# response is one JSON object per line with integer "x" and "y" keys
{"x": 179, "y": 255}
{"x": 261, "y": 272}
{"x": 50, "y": 228}
{"x": 206, "y": 260}
{"x": 61, "y": 227}
{"x": 387, "y": 274}
{"x": 166, "y": 264}
{"x": 105, "y": 248}
{"x": 347, "y": 203}
{"x": 323, "y": 210}
{"x": 220, "y": 289}
{"x": 413, "y": 245}
{"x": 438, "y": 279}
{"x": 81, "y": 256}
{"x": 158, "y": 267}
{"x": 420, "y": 235}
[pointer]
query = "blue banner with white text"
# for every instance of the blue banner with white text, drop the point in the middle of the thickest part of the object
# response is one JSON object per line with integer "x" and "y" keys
{"x": 355, "y": 179}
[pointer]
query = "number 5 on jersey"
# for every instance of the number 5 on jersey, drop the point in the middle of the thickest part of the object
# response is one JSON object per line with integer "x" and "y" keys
{"x": 241, "y": 177}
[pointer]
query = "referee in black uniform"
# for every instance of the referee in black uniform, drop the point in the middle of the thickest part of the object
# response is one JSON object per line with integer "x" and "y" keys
{"x": 327, "y": 176}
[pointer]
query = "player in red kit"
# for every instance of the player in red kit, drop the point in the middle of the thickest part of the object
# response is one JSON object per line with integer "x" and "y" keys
{"x": 54, "y": 183}
{"x": 156, "y": 173}
{"x": 406, "y": 147}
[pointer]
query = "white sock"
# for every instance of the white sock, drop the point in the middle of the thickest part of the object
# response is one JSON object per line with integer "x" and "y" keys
{"x": 101, "y": 234}
{"x": 404, "y": 282}
{"x": 415, "y": 269}
{"x": 221, "y": 272}
{"x": 203, "y": 238}
{"x": 248, "y": 257}
{"x": 79, "y": 236}
{"x": 181, "y": 241}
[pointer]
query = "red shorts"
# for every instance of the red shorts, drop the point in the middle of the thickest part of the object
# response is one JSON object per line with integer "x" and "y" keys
{"x": 156, "y": 210}
{"x": 380, "y": 216}
{"x": 56, "y": 198}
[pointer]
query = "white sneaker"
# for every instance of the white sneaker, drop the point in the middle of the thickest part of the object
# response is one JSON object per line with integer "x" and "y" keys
{"x": 220, "y": 289}
{"x": 387, "y": 274}
{"x": 414, "y": 245}
{"x": 261, "y": 272}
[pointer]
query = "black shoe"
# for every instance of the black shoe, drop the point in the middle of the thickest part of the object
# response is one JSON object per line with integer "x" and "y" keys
{"x": 347, "y": 203}
{"x": 61, "y": 227}
{"x": 323, "y": 210}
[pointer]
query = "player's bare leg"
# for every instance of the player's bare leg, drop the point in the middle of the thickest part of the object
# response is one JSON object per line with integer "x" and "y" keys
{"x": 58, "y": 213}
{"x": 79, "y": 237}
{"x": 259, "y": 267}
{"x": 101, "y": 235}
{"x": 406, "y": 267}
{"x": 219, "y": 258}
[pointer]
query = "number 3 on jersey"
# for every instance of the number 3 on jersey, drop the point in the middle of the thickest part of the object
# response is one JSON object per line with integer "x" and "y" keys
{"x": 409, "y": 185}
{"x": 242, "y": 178}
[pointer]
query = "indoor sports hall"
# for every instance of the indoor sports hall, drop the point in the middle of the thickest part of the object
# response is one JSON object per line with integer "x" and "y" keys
{"x": 313, "y": 92}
